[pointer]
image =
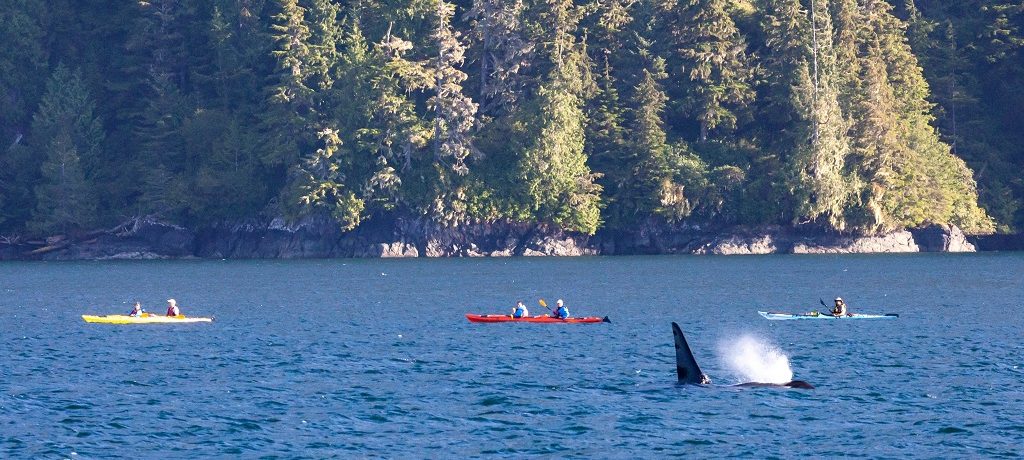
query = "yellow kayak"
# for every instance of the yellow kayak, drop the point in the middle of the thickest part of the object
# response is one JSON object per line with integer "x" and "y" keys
{"x": 145, "y": 319}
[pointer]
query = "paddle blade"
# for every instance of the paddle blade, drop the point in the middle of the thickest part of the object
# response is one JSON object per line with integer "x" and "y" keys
{"x": 822, "y": 301}
{"x": 542, "y": 303}
{"x": 606, "y": 320}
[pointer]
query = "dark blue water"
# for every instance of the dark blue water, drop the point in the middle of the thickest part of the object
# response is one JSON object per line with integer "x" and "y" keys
{"x": 374, "y": 358}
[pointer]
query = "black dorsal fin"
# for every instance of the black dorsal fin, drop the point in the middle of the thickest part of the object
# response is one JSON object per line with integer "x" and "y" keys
{"x": 686, "y": 366}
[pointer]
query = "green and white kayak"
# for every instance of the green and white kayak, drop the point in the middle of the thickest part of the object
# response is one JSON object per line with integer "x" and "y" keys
{"x": 777, "y": 316}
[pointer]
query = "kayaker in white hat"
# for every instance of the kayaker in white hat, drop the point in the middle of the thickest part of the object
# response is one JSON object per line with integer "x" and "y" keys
{"x": 520, "y": 311}
{"x": 562, "y": 311}
{"x": 840, "y": 308}
{"x": 172, "y": 308}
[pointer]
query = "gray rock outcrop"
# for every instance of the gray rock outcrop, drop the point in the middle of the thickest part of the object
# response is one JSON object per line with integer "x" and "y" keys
{"x": 942, "y": 238}
{"x": 895, "y": 242}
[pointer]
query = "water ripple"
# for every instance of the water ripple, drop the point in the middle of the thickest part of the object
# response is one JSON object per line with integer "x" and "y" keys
{"x": 321, "y": 359}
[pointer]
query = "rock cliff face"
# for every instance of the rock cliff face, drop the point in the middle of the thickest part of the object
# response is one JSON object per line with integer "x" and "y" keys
{"x": 762, "y": 240}
{"x": 321, "y": 238}
{"x": 942, "y": 238}
{"x": 901, "y": 241}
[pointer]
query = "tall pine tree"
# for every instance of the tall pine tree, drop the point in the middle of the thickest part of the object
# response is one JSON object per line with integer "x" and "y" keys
{"x": 67, "y": 133}
{"x": 560, "y": 187}
{"x": 713, "y": 63}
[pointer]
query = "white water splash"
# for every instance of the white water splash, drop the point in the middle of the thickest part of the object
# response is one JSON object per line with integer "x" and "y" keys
{"x": 752, "y": 359}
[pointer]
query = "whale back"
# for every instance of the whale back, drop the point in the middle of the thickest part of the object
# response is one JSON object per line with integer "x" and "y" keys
{"x": 686, "y": 366}
{"x": 797, "y": 384}
{"x": 800, "y": 384}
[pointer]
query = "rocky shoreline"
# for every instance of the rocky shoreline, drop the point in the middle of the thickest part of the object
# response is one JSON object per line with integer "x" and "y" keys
{"x": 320, "y": 238}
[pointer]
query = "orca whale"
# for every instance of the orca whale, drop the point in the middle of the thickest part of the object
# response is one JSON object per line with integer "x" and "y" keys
{"x": 689, "y": 372}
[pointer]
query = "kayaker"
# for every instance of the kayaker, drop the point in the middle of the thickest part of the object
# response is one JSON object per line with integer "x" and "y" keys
{"x": 137, "y": 310}
{"x": 840, "y": 308}
{"x": 520, "y": 310}
{"x": 172, "y": 308}
{"x": 562, "y": 311}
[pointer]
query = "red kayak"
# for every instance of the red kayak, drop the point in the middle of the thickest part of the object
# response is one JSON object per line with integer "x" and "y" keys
{"x": 532, "y": 319}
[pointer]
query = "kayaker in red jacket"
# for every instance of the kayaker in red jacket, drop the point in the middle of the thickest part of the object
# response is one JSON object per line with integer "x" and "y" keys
{"x": 172, "y": 308}
{"x": 137, "y": 310}
{"x": 520, "y": 311}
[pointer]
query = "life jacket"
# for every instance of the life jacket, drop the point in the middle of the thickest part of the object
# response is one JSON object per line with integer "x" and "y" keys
{"x": 172, "y": 311}
{"x": 562, "y": 312}
{"x": 520, "y": 312}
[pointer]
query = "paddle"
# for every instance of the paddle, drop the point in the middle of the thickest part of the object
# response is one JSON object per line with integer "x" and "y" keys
{"x": 828, "y": 308}
{"x": 829, "y": 312}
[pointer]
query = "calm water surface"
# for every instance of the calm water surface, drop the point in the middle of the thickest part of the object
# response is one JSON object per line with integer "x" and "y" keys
{"x": 373, "y": 358}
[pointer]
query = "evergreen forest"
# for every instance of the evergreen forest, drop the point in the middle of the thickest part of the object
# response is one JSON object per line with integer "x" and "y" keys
{"x": 848, "y": 116}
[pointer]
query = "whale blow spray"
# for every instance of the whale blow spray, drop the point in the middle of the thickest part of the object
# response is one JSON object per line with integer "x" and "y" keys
{"x": 752, "y": 359}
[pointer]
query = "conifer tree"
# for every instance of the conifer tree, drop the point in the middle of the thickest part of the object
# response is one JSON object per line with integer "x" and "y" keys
{"x": 655, "y": 189}
{"x": 933, "y": 185}
{"x": 324, "y": 34}
{"x": 607, "y": 150}
{"x": 69, "y": 136}
{"x": 802, "y": 71}
{"x": 372, "y": 171}
{"x": 453, "y": 112}
{"x": 560, "y": 186}
{"x": 883, "y": 158}
{"x": 831, "y": 187}
{"x": 847, "y": 43}
{"x": 162, "y": 167}
{"x": 293, "y": 55}
{"x": 290, "y": 103}
{"x": 324, "y": 183}
{"x": 502, "y": 54}
{"x": 713, "y": 60}
{"x": 64, "y": 201}
{"x": 454, "y": 118}
{"x": 335, "y": 176}
{"x": 22, "y": 60}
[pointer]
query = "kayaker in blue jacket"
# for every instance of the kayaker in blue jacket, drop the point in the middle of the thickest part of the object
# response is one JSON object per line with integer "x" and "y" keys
{"x": 137, "y": 310}
{"x": 520, "y": 311}
{"x": 562, "y": 311}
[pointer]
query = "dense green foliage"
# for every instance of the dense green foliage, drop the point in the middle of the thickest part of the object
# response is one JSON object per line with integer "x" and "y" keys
{"x": 857, "y": 116}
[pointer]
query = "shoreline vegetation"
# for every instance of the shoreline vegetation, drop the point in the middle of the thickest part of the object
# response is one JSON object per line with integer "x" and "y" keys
{"x": 323, "y": 128}
{"x": 143, "y": 239}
